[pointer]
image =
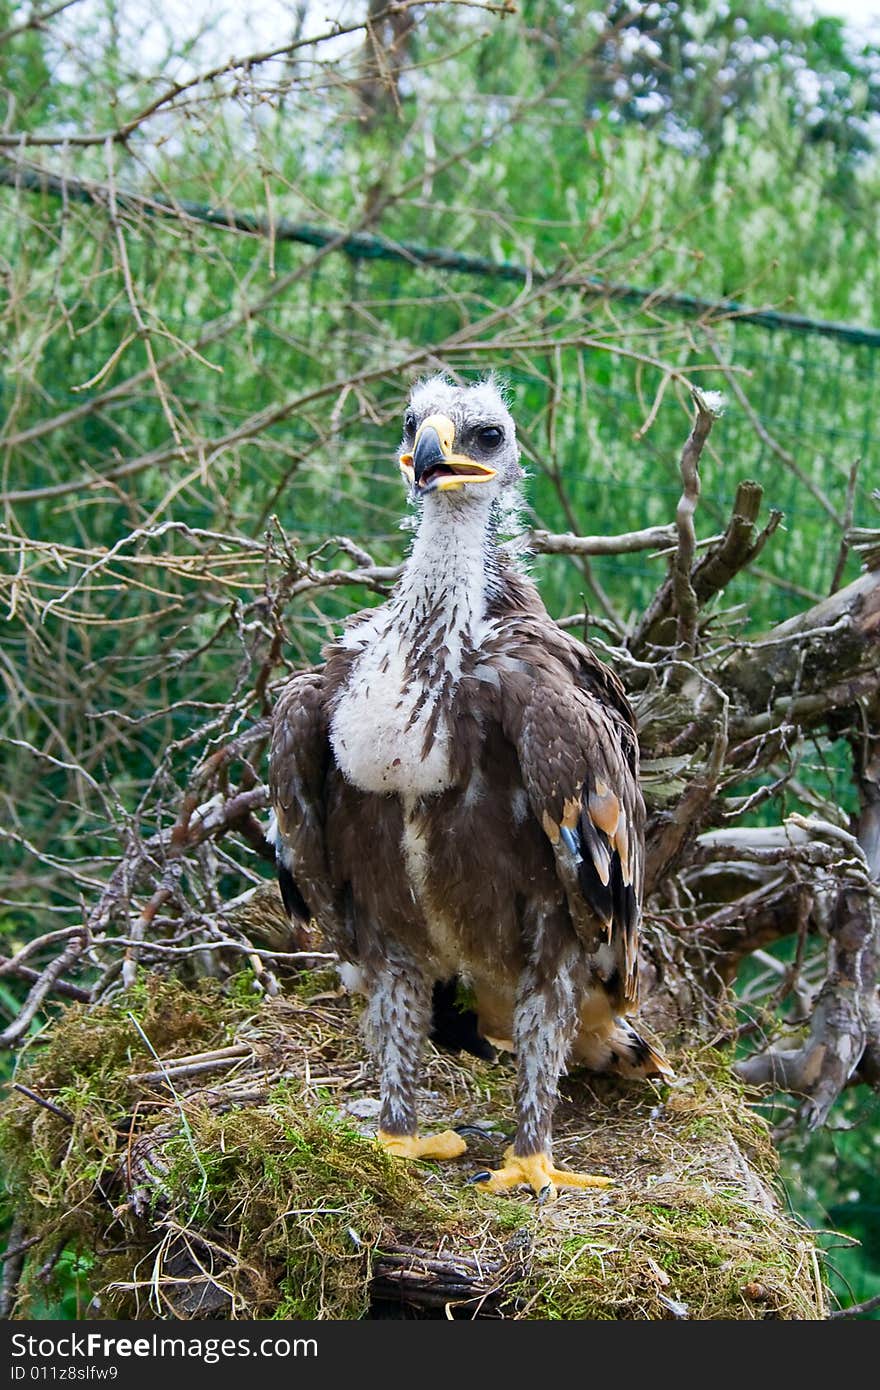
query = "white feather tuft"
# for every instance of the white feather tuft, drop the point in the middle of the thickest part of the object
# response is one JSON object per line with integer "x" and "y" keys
{"x": 712, "y": 401}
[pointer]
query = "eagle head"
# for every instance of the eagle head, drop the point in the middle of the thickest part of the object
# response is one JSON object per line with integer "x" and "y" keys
{"x": 458, "y": 439}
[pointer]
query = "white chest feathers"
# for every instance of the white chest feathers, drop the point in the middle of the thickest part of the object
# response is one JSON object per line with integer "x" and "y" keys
{"x": 381, "y": 730}
{"x": 387, "y": 731}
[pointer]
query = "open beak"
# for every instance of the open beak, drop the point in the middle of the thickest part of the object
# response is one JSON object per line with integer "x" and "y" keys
{"x": 433, "y": 467}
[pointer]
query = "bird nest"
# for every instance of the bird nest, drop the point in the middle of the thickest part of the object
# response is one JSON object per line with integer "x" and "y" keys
{"x": 201, "y": 1151}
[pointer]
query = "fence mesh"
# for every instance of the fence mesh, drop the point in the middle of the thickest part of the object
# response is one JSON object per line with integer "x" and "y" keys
{"x": 172, "y": 375}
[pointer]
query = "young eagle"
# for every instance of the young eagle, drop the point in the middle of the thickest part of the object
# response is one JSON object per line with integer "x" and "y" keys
{"x": 456, "y": 794}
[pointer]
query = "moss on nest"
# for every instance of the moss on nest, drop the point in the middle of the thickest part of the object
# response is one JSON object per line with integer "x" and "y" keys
{"x": 244, "y": 1181}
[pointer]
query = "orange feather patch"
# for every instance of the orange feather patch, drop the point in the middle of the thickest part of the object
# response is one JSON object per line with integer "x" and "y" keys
{"x": 604, "y": 808}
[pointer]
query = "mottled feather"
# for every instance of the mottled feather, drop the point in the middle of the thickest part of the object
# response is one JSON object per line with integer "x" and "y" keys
{"x": 299, "y": 762}
{"x": 574, "y": 733}
{"x": 456, "y": 794}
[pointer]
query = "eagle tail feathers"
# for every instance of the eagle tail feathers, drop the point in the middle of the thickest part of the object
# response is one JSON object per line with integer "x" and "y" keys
{"x": 621, "y": 1050}
{"x": 634, "y": 1055}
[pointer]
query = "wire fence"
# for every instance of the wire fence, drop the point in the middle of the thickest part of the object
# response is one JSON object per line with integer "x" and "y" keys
{"x": 601, "y": 449}
{"x": 180, "y": 381}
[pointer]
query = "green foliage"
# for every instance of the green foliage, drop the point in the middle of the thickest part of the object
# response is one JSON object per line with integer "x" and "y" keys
{"x": 25, "y": 77}
{"x": 685, "y": 69}
{"x": 831, "y": 1179}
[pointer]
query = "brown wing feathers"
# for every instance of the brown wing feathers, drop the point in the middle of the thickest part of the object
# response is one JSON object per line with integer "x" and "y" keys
{"x": 574, "y": 732}
{"x": 297, "y": 771}
{"x": 603, "y": 841}
{"x": 614, "y": 812}
{"x": 568, "y": 718}
{"x": 612, "y": 833}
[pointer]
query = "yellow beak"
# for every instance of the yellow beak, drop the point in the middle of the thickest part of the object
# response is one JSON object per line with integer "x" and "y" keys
{"x": 433, "y": 467}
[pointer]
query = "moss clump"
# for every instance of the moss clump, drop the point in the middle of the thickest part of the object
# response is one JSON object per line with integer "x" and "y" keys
{"x": 86, "y": 1047}
{"x": 692, "y": 1230}
{"x": 251, "y": 1186}
{"x": 297, "y": 1199}
{"x": 309, "y": 984}
{"x": 56, "y": 1168}
{"x": 710, "y": 1257}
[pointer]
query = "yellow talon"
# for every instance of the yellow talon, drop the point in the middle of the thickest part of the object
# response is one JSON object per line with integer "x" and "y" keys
{"x": 445, "y": 1145}
{"x": 538, "y": 1173}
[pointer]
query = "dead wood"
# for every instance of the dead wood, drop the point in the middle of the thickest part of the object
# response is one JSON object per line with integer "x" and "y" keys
{"x": 820, "y": 653}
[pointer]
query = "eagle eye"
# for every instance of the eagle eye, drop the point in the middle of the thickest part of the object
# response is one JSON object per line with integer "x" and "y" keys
{"x": 409, "y": 424}
{"x": 489, "y": 437}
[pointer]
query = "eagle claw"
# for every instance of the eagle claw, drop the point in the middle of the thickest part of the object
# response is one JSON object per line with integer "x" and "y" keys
{"x": 537, "y": 1172}
{"x": 445, "y": 1145}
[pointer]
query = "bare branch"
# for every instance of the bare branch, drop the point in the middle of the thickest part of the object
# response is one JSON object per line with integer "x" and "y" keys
{"x": 43, "y": 986}
{"x": 123, "y": 133}
{"x": 683, "y": 590}
{"x": 652, "y": 538}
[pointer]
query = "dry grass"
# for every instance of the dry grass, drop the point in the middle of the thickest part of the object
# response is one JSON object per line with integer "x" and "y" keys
{"x": 252, "y": 1187}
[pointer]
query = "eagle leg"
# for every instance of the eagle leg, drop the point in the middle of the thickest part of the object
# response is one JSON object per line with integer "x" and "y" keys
{"x": 545, "y": 1021}
{"x": 397, "y": 1023}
